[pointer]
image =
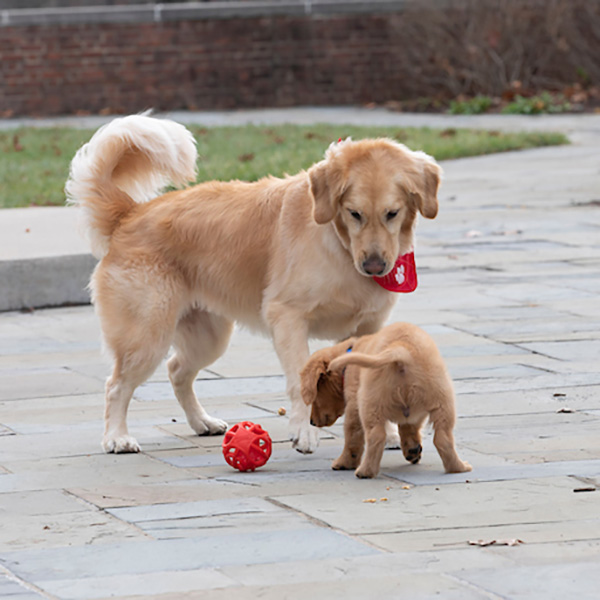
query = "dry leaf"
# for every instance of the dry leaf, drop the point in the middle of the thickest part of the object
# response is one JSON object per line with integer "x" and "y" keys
{"x": 484, "y": 543}
{"x": 370, "y": 500}
{"x": 383, "y": 499}
{"x": 585, "y": 489}
{"x": 17, "y": 146}
{"x": 407, "y": 487}
{"x": 565, "y": 409}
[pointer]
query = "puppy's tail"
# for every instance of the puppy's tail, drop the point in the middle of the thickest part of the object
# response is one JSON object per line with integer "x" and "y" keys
{"x": 128, "y": 160}
{"x": 398, "y": 355}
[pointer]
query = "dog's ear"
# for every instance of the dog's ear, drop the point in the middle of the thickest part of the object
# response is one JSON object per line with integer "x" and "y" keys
{"x": 327, "y": 185}
{"x": 314, "y": 369}
{"x": 426, "y": 187}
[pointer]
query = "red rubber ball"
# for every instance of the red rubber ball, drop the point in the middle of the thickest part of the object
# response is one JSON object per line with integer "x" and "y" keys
{"x": 247, "y": 446}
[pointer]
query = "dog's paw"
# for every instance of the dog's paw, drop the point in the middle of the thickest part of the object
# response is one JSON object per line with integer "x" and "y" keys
{"x": 392, "y": 436}
{"x": 413, "y": 455}
{"x": 305, "y": 439}
{"x": 364, "y": 473}
{"x": 461, "y": 467}
{"x": 344, "y": 464}
{"x": 122, "y": 444}
{"x": 207, "y": 425}
{"x": 392, "y": 440}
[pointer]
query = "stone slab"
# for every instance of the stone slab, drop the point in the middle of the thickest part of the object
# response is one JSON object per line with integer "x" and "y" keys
{"x": 449, "y": 506}
{"x": 182, "y": 554}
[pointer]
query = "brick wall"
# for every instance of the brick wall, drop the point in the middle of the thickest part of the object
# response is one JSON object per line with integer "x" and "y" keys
{"x": 200, "y": 64}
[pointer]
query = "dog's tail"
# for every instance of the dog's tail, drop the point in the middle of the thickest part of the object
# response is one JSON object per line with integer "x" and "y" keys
{"x": 129, "y": 160}
{"x": 398, "y": 355}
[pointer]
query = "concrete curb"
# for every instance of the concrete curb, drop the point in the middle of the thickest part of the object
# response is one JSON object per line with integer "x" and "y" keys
{"x": 45, "y": 281}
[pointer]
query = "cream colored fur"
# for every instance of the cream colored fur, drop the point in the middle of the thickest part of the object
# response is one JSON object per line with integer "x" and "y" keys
{"x": 291, "y": 257}
{"x": 395, "y": 375}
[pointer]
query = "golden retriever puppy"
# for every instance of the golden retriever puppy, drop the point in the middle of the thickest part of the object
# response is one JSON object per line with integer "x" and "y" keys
{"x": 395, "y": 375}
{"x": 293, "y": 258}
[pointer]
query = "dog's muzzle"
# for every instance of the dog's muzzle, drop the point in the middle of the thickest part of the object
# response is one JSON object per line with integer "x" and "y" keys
{"x": 374, "y": 265}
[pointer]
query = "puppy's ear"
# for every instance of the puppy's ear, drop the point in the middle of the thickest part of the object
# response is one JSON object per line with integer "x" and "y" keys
{"x": 327, "y": 185}
{"x": 426, "y": 187}
{"x": 314, "y": 369}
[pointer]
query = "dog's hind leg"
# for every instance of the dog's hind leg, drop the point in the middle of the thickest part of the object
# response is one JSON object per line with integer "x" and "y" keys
{"x": 375, "y": 444}
{"x": 200, "y": 338}
{"x": 119, "y": 390}
{"x": 354, "y": 440}
{"x": 138, "y": 348}
{"x": 443, "y": 439}
{"x": 410, "y": 436}
{"x": 392, "y": 437}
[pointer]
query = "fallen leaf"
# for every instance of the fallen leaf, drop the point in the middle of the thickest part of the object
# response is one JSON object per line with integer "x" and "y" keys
{"x": 559, "y": 395}
{"x": 565, "y": 409}
{"x": 370, "y": 500}
{"x": 450, "y": 132}
{"x": 246, "y": 157}
{"x": 383, "y": 499}
{"x": 405, "y": 487}
{"x": 17, "y": 147}
{"x": 484, "y": 543}
{"x": 585, "y": 489}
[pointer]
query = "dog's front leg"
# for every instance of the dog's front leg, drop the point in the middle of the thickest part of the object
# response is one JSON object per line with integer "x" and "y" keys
{"x": 289, "y": 331}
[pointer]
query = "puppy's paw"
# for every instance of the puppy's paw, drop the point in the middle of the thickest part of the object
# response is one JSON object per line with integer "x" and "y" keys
{"x": 207, "y": 425}
{"x": 365, "y": 473}
{"x": 305, "y": 439}
{"x": 122, "y": 444}
{"x": 413, "y": 455}
{"x": 343, "y": 463}
{"x": 460, "y": 467}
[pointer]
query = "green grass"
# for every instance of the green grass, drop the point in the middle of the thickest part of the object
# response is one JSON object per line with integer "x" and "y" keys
{"x": 34, "y": 163}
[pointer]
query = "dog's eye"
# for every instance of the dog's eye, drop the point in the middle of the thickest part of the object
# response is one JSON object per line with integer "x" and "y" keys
{"x": 356, "y": 215}
{"x": 391, "y": 215}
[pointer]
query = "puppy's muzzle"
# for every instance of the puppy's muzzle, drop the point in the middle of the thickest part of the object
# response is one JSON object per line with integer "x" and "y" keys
{"x": 374, "y": 265}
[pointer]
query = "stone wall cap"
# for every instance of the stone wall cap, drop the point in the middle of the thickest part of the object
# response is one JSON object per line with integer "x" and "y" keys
{"x": 148, "y": 13}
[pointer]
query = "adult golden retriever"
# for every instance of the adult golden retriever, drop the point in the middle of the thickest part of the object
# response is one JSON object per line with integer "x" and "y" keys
{"x": 395, "y": 375}
{"x": 292, "y": 257}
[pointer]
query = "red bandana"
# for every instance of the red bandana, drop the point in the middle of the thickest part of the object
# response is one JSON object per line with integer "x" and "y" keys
{"x": 403, "y": 277}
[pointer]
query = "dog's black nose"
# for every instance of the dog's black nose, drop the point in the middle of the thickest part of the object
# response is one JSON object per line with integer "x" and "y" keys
{"x": 312, "y": 423}
{"x": 374, "y": 265}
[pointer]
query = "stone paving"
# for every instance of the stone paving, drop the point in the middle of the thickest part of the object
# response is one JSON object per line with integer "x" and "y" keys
{"x": 509, "y": 289}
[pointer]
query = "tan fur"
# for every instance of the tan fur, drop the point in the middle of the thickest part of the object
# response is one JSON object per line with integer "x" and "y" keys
{"x": 395, "y": 375}
{"x": 281, "y": 256}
